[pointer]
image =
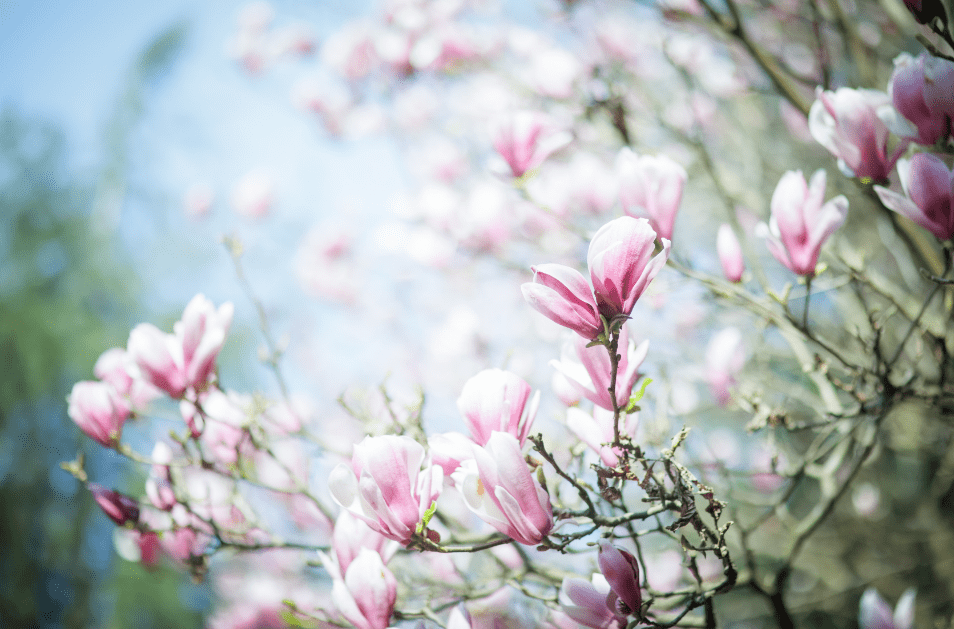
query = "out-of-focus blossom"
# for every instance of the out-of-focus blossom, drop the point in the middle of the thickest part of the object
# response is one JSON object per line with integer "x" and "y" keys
{"x": 98, "y": 410}
{"x": 366, "y": 594}
{"x": 175, "y": 362}
{"x": 622, "y": 573}
{"x": 846, "y": 122}
{"x": 725, "y": 356}
{"x": 351, "y": 535}
{"x": 586, "y": 602}
{"x": 622, "y": 265}
{"x": 554, "y": 72}
{"x": 730, "y": 253}
{"x": 159, "y": 487}
{"x": 495, "y": 399}
{"x": 596, "y": 430}
{"x": 928, "y": 198}
{"x": 198, "y": 199}
{"x": 801, "y": 221}
{"x": 651, "y": 186}
{"x": 324, "y": 264}
{"x": 499, "y": 488}
{"x": 458, "y": 619}
{"x": 525, "y": 138}
{"x": 254, "y": 194}
{"x": 915, "y": 86}
{"x": 874, "y": 612}
{"x": 588, "y": 369}
{"x": 120, "y": 508}
{"x": 385, "y": 487}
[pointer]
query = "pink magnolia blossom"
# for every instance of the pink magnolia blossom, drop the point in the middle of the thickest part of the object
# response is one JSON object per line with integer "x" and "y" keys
{"x": 622, "y": 573}
{"x": 596, "y": 430}
{"x": 725, "y": 356}
{"x": 846, "y": 122}
{"x": 495, "y": 399}
{"x": 874, "y": 612}
{"x": 98, "y": 410}
{"x": 730, "y": 254}
{"x": 366, "y": 594}
{"x": 652, "y": 187}
{"x": 498, "y": 486}
{"x": 254, "y": 194}
{"x": 351, "y": 535}
{"x": 525, "y": 138}
{"x": 588, "y": 369}
{"x": 120, "y": 508}
{"x": 117, "y": 368}
{"x": 186, "y": 358}
{"x": 801, "y": 222}
{"x": 586, "y": 602}
{"x": 159, "y": 487}
{"x": 563, "y": 295}
{"x": 928, "y": 185}
{"x": 385, "y": 487}
{"x": 621, "y": 264}
{"x": 915, "y": 87}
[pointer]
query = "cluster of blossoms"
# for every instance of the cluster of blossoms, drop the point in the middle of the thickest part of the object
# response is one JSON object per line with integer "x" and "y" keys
{"x": 408, "y": 523}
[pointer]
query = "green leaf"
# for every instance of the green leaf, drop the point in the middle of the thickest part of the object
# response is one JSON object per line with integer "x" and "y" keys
{"x": 633, "y": 401}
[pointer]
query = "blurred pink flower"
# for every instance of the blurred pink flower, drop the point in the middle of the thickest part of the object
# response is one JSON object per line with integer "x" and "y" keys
{"x": 586, "y": 602}
{"x": 98, "y": 410}
{"x": 596, "y": 430}
{"x": 253, "y": 194}
{"x": 928, "y": 185}
{"x": 730, "y": 254}
{"x": 366, "y": 594}
{"x": 801, "y": 222}
{"x": 914, "y": 86}
{"x": 846, "y": 122}
{"x": 525, "y": 138}
{"x": 120, "y": 508}
{"x": 651, "y": 186}
{"x": 186, "y": 358}
{"x": 874, "y": 612}
{"x": 588, "y": 369}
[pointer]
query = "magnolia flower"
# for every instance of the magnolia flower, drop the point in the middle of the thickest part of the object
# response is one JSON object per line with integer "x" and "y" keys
{"x": 366, "y": 592}
{"x": 622, "y": 573}
{"x": 916, "y": 84}
{"x": 186, "y": 358}
{"x": 801, "y": 222}
{"x": 622, "y": 265}
{"x": 588, "y": 369}
{"x": 596, "y": 430}
{"x": 119, "y": 507}
{"x": 928, "y": 194}
{"x": 874, "y": 612}
{"x": 586, "y": 602}
{"x": 98, "y": 410}
{"x": 497, "y": 485}
{"x": 526, "y": 138}
{"x": 351, "y": 535}
{"x": 385, "y": 487}
{"x": 730, "y": 254}
{"x": 117, "y": 368}
{"x": 725, "y": 355}
{"x": 652, "y": 187}
{"x": 497, "y": 400}
{"x": 846, "y": 122}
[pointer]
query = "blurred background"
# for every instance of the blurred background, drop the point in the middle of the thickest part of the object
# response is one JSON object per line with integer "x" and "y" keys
{"x": 109, "y": 113}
